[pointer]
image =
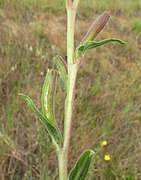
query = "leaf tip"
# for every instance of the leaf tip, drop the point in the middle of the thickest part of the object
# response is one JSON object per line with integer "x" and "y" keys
{"x": 124, "y": 43}
{"x": 21, "y": 94}
{"x": 91, "y": 152}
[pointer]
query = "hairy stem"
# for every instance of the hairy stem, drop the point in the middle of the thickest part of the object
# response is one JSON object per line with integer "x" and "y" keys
{"x": 72, "y": 72}
{"x": 68, "y": 116}
{"x": 63, "y": 154}
{"x": 70, "y": 38}
{"x": 62, "y": 165}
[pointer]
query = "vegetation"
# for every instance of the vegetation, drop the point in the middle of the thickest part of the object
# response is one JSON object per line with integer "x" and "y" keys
{"x": 110, "y": 112}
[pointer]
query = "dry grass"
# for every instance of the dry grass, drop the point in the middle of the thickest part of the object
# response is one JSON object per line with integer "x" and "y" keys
{"x": 108, "y": 95}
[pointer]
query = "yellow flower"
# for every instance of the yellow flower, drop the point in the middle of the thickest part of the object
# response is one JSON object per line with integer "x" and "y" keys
{"x": 104, "y": 143}
{"x": 107, "y": 157}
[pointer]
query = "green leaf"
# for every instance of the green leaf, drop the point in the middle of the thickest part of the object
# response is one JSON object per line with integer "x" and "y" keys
{"x": 47, "y": 98}
{"x": 93, "y": 44}
{"x": 62, "y": 68}
{"x": 55, "y": 135}
{"x": 81, "y": 167}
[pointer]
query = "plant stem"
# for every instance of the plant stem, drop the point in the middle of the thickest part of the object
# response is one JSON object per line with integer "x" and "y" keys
{"x": 63, "y": 154}
{"x": 62, "y": 165}
{"x": 72, "y": 73}
{"x": 70, "y": 37}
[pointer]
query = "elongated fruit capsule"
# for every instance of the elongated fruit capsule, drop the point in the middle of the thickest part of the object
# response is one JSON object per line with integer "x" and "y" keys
{"x": 96, "y": 27}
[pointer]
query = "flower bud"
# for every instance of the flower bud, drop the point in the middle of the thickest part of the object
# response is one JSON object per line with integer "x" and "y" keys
{"x": 96, "y": 27}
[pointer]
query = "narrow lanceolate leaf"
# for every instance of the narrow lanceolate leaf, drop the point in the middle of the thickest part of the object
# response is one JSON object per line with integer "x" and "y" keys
{"x": 81, "y": 167}
{"x": 53, "y": 132}
{"x": 47, "y": 98}
{"x": 93, "y": 44}
{"x": 62, "y": 68}
{"x": 96, "y": 27}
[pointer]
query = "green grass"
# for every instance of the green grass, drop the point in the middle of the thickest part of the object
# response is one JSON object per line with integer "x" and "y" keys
{"x": 137, "y": 26}
{"x": 108, "y": 98}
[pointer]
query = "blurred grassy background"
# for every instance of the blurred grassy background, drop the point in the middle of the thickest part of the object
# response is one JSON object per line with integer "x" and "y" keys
{"x": 108, "y": 95}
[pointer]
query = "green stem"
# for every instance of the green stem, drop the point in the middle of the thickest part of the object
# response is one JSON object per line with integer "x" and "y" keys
{"x": 70, "y": 37}
{"x": 72, "y": 72}
{"x": 62, "y": 165}
{"x": 63, "y": 154}
{"x": 68, "y": 122}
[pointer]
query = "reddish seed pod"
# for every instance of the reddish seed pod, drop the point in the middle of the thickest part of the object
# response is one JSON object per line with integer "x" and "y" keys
{"x": 96, "y": 27}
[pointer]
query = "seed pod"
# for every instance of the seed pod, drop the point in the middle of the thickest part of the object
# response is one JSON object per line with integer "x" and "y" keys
{"x": 96, "y": 27}
{"x": 48, "y": 93}
{"x": 62, "y": 68}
